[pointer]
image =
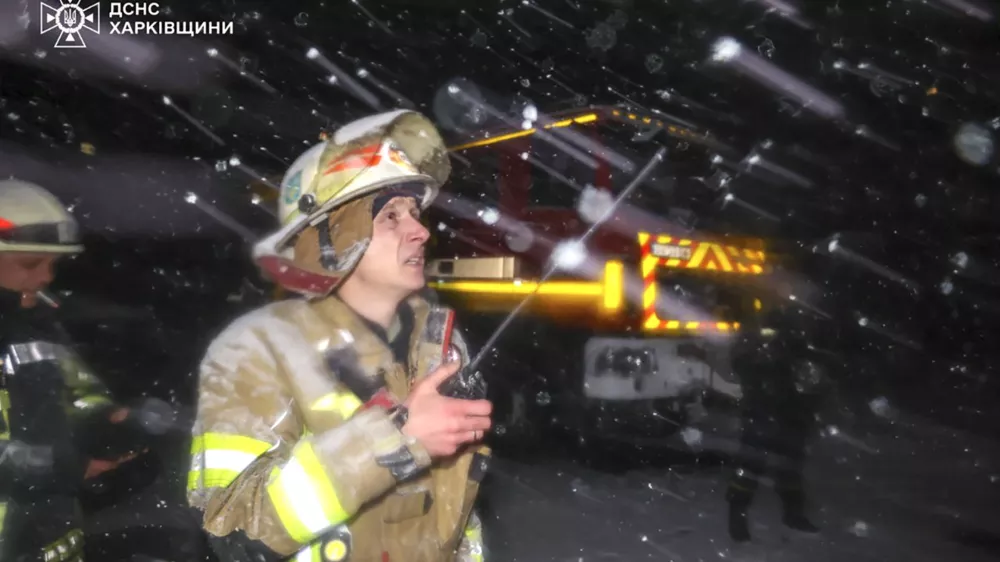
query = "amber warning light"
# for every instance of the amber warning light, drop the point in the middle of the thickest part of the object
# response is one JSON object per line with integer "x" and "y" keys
{"x": 608, "y": 295}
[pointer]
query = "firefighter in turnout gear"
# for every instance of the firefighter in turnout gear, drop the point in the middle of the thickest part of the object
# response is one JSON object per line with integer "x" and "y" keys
{"x": 320, "y": 432}
{"x": 783, "y": 383}
{"x": 55, "y": 415}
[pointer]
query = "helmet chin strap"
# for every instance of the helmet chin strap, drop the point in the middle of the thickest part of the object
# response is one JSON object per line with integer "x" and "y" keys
{"x": 290, "y": 276}
{"x": 327, "y": 255}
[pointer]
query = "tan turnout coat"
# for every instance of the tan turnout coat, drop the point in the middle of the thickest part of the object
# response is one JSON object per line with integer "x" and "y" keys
{"x": 280, "y": 453}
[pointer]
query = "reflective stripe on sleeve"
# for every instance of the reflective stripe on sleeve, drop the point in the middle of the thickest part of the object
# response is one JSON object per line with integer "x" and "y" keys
{"x": 67, "y": 548}
{"x": 343, "y": 403}
{"x": 37, "y": 351}
{"x": 304, "y": 497}
{"x": 474, "y": 540}
{"x": 218, "y": 458}
{"x": 4, "y": 414}
{"x": 91, "y": 401}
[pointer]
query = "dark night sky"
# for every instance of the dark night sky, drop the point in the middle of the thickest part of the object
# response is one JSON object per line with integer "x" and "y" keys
{"x": 915, "y": 73}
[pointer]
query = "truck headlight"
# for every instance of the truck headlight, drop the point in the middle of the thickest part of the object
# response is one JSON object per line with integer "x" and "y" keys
{"x": 626, "y": 361}
{"x": 728, "y": 374}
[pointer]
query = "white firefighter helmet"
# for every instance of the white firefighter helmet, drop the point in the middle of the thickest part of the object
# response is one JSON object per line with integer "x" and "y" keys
{"x": 361, "y": 158}
{"x": 33, "y": 220}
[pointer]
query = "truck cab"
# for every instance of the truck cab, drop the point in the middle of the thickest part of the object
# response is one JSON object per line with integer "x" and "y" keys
{"x": 629, "y": 348}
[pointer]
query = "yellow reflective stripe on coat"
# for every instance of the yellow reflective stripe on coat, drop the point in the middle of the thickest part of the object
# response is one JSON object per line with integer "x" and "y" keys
{"x": 5, "y": 412}
{"x": 3, "y": 515}
{"x": 304, "y": 497}
{"x": 67, "y": 548}
{"x": 218, "y": 458}
{"x": 343, "y": 403}
{"x": 91, "y": 401}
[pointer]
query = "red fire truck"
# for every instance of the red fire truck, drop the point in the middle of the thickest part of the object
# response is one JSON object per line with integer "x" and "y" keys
{"x": 587, "y": 354}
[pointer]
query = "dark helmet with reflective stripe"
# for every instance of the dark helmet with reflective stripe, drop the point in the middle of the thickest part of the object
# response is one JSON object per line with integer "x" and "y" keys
{"x": 33, "y": 220}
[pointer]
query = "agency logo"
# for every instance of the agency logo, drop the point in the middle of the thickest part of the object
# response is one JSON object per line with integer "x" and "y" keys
{"x": 71, "y": 19}
{"x": 401, "y": 160}
{"x": 294, "y": 188}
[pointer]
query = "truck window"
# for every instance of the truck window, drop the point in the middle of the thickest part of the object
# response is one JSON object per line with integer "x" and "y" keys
{"x": 556, "y": 178}
{"x": 723, "y": 300}
{"x": 478, "y": 181}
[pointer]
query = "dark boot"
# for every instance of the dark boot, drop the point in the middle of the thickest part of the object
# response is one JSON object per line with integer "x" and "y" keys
{"x": 739, "y": 526}
{"x": 796, "y": 519}
{"x": 793, "y": 504}
{"x": 740, "y": 496}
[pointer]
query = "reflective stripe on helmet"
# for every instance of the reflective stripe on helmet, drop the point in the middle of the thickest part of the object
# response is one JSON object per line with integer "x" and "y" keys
{"x": 66, "y": 233}
{"x": 304, "y": 497}
{"x": 34, "y": 220}
{"x": 218, "y": 458}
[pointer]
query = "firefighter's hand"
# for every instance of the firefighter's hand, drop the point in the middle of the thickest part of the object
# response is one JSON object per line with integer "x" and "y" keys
{"x": 441, "y": 424}
{"x": 97, "y": 467}
{"x": 118, "y": 415}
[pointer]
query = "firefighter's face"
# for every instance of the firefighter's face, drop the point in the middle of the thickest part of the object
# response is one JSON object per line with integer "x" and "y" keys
{"x": 395, "y": 258}
{"x": 26, "y": 272}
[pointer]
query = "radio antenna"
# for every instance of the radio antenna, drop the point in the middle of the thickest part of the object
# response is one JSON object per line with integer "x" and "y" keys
{"x": 657, "y": 158}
